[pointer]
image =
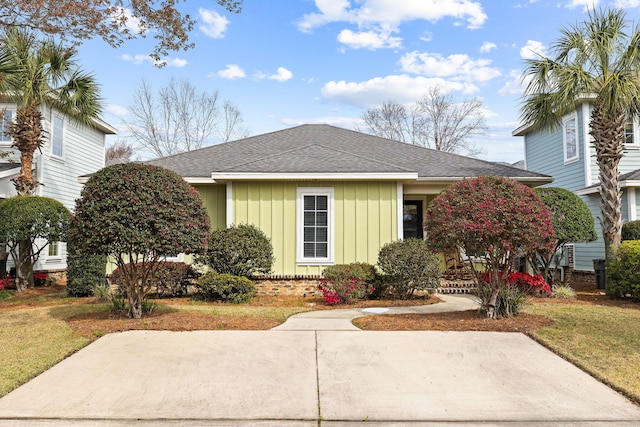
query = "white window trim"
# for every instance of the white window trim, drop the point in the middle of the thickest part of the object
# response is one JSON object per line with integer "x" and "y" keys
{"x": 565, "y": 120}
{"x": 53, "y": 130}
{"x": 636, "y": 135}
{"x": 11, "y": 108}
{"x": 53, "y": 258}
{"x": 314, "y": 191}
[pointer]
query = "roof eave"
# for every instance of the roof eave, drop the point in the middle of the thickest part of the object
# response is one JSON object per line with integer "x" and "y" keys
{"x": 313, "y": 176}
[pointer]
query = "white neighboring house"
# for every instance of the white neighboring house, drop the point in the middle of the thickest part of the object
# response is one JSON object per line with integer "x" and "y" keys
{"x": 69, "y": 151}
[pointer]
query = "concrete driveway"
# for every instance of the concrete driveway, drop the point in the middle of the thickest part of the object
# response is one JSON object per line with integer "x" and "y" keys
{"x": 296, "y": 378}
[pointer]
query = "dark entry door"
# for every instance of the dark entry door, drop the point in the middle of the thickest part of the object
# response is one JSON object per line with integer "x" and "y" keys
{"x": 412, "y": 219}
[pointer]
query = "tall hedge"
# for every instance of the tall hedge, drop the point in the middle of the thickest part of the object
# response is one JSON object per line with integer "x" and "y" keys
{"x": 138, "y": 214}
{"x": 84, "y": 271}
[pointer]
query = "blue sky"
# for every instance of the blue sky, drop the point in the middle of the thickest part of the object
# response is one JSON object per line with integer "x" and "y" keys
{"x": 289, "y": 62}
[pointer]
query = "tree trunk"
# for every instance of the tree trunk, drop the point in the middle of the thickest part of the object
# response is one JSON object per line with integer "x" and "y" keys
{"x": 491, "y": 304}
{"x": 26, "y": 132}
{"x": 24, "y": 269}
{"x": 608, "y": 134}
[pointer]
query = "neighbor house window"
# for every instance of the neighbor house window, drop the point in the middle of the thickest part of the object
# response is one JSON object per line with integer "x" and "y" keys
{"x": 570, "y": 138}
{"x": 54, "y": 250}
{"x": 4, "y": 125}
{"x": 56, "y": 139}
{"x": 315, "y": 226}
{"x": 631, "y": 132}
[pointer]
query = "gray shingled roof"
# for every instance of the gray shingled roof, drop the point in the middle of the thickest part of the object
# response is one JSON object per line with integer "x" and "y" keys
{"x": 318, "y": 148}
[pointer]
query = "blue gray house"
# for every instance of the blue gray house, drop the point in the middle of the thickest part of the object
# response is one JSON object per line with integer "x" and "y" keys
{"x": 567, "y": 154}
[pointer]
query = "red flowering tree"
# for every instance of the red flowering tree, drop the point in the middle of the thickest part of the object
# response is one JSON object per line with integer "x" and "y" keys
{"x": 493, "y": 219}
{"x": 138, "y": 214}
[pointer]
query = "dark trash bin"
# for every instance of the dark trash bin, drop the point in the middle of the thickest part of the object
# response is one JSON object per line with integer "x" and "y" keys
{"x": 600, "y": 267}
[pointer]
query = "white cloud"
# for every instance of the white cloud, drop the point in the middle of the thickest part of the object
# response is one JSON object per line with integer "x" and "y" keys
{"x": 140, "y": 58}
{"x": 627, "y": 3}
{"x": 369, "y": 39}
{"x": 232, "y": 71}
{"x": 213, "y": 24}
{"x": 457, "y": 66}
{"x": 586, "y": 4}
{"x": 117, "y": 110}
{"x": 532, "y": 50}
{"x": 400, "y": 88}
{"x": 282, "y": 75}
{"x": 515, "y": 85}
{"x": 487, "y": 47}
{"x": 393, "y": 12}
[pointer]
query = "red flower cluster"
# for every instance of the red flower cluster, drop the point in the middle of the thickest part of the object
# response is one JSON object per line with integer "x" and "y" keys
{"x": 344, "y": 292}
{"x": 529, "y": 284}
{"x": 5, "y": 283}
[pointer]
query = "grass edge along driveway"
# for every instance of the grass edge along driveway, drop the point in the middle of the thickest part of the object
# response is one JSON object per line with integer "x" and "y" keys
{"x": 599, "y": 339}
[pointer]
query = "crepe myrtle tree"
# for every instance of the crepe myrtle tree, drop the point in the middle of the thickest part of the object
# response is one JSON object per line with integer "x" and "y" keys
{"x": 33, "y": 221}
{"x": 572, "y": 223}
{"x": 137, "y": 214}
{"x": 494, "y": 219}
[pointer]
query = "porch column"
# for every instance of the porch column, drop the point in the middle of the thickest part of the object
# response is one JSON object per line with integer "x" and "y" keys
{"x": 229, "y": 212}
{"x": 400, "y": 202}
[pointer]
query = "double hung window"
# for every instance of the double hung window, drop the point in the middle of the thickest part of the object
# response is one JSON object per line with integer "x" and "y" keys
{"x": 315, "y": 226}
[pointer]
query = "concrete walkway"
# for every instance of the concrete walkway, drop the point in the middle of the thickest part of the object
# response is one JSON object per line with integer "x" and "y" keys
{"x": 340, "y": 320}
{"x": 311, "y": 378}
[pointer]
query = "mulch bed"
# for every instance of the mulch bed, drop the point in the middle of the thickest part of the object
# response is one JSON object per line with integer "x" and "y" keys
{"x": 97, "y": 324}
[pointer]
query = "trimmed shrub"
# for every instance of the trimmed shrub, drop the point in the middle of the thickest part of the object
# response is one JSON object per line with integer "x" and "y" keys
{"x": 240, "y": 250}
{"x": 631, "y": 230}
{"x": 168, "y": 279}
{"x": 138, "y": 214}
{"x": 27, "y": 221}
{"x": 84, "y": 271}
{"x": 346, "y": 283}
{"x": 224, "y": 287}
{"x": 623, "y": 272}
{"x": 409, "y": 265}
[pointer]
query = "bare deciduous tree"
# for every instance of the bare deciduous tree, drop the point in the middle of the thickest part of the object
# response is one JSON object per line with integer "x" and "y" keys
{"x": 435, "y": 121}
{"x": 120, "y": 152}
{"x": 180, "y": 118}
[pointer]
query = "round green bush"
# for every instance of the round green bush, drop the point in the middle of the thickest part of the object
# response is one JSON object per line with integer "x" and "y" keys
{"x": 623, "y": 272}
{"x": 240, "y": 250}
{"x": 225, "y": 287}
{"x": 631, "y": 230}
{"x": 409, "y": 265}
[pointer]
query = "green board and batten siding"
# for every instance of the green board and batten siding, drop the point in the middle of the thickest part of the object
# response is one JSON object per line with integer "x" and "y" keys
{"x": 214, "y": 197}
{"x": 365, "y": 217}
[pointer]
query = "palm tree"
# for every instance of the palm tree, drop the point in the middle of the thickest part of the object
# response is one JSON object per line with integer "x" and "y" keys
{"x": 597, "y": 60}
{"x": 34, "y": 73}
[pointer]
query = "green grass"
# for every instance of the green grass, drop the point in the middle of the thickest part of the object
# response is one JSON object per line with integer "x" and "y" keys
{"x": 278, "y": 313}
{"x": 33, "y": 340}
{"x": 601, "y": 340}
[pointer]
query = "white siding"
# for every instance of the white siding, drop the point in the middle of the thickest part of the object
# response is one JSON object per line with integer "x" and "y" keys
{"x": 82, "y": 154}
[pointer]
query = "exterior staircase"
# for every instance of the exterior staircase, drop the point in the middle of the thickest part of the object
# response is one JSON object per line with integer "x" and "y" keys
{"x": 457, "y": 282}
